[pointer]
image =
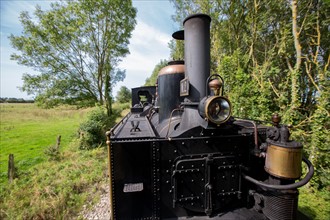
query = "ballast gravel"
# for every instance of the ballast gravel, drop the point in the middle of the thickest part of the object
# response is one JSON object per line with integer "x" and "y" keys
{"x": 101, "y": 210}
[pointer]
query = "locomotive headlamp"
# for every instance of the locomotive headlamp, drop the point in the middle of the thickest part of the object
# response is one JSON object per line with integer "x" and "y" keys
{"x": 216, "y": 109}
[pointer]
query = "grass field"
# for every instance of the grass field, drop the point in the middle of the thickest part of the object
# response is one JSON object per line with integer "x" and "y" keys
{"x": 47, "y": 189}
{"x": 26, "y": 131}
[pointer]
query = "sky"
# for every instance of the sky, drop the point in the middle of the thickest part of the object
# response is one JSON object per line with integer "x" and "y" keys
{"x": 148, "y": 45}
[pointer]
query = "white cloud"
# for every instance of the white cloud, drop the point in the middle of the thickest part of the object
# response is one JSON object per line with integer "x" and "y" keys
{"x": 13, "y": 9}
{"x": 148, "y": 46}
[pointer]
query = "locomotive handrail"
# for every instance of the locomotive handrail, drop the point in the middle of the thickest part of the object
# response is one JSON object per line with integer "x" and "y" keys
{"x": 112, "y": 130}
{"x": 302, "y": 182}
{"x": 169, "y": 123}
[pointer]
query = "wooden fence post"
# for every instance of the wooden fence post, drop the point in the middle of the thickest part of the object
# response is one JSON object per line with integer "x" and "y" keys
{"x": 11, "y": 168}
{"x": 58, "y": 143}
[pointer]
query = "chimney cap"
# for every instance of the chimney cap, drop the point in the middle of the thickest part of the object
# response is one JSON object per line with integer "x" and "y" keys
{"x": 178, "y": 35}
{"x": 197, "y": 15}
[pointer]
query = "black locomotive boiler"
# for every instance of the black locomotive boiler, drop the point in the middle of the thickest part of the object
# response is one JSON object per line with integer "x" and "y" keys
{"x": 180, "y": 153}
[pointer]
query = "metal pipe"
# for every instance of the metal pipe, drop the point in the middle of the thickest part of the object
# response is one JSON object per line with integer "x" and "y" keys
{"x": 302, "y": 182}
{"x": 256, "y": 149}
{"x": 169, "y": 122}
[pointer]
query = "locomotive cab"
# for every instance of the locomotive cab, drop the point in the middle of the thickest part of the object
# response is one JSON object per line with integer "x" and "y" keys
{"x": 180, "y": 153}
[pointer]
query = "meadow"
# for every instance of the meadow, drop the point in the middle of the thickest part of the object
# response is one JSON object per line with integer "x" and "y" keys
{"x": 47, "y": 188}
{"x": 26, "y": 131}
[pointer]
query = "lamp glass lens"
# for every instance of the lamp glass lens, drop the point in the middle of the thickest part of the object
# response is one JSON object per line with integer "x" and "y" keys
{"x": 218, "y": 110}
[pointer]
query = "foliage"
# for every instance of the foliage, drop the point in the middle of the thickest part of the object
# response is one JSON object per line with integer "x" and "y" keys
{"x": 177, "y": 49}
{"x": 76, "y": 46}
{"x": 92, "y": 131}
{"x": 53, "y": 190}
{"x": 152, "y": 80}
{"x": 123, "y": 95}
{"x": 242, "y": 91}
{"x": 274, "y": 57}
{"x": 122, "y": 110}
{"x": 320, "y": 140}
{"x": 314, "y": 204}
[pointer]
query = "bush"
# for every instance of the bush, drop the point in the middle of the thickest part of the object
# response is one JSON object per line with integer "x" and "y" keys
{"x": 92, "y": 131}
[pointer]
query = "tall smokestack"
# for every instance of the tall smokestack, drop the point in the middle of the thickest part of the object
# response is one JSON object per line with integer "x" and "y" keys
{"x": 197, "y": 69}
{"x": 197, "y": 54}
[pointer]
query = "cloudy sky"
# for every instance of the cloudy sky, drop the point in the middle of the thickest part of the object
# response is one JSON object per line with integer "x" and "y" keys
{"x": 149, "y": 43}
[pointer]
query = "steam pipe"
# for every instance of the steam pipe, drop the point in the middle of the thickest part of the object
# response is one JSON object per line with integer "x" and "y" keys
{"x": 302, "y": 182}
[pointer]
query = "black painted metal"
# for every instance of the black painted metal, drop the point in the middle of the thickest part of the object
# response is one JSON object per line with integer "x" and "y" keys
{"x": 180, "y": 177}
{"x": 175, "y": 166}
{"x": 168, "y": 94}
{"x": 281, "y": 204}
{"x": 197, "y": 68}
{"x": 196, "y": 182}
{"x": 178, "y": 35}
{"x": 147, "y": 91}
{"x": 197, "y": 54}
{"x": 132, "y": 180}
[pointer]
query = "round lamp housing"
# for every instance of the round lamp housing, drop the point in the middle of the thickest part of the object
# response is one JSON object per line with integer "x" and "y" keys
{"x": 215, "y": 109}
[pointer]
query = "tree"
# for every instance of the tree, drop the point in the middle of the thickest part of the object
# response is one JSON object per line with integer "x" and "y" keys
{"x": 123, "y": 95}
{"x": 274, "y": 57}
{"x": 152, "y": 80}
{"x": 177, "y": 49}
{"x": 76, "y": 46}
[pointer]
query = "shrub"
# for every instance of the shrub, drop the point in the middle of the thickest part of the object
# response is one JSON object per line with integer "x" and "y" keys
{"x": 92, "y": 131}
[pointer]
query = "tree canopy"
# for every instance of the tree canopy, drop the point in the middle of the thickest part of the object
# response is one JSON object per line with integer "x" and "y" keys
{"x": 76, "y": 47}
{"x": 152, "y": 80}
{"x": 124, "y": 95}
{"x": 274, "y": 57}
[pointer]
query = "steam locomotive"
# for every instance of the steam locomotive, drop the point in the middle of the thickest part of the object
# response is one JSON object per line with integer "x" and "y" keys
{"x": 180, "y": 154}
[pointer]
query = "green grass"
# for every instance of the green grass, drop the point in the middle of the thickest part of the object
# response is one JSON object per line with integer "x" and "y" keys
{"x": 47, "y": 189}
{"x": 26, "y": 131}
{"x": 56, "y": 189}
